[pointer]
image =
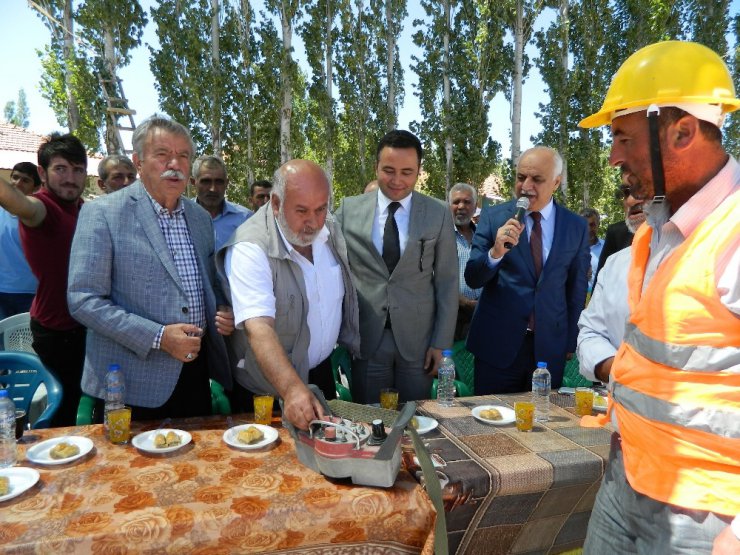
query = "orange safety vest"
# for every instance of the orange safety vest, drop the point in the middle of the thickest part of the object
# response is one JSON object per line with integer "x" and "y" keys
{"x": 677, "y": 375}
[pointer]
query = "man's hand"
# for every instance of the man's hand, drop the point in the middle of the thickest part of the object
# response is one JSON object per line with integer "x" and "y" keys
{"x": 181, "y": 341}
{"x": 507, "y": 233}
{"x": 224, "y": 319}
{"x": 726, "y": 543}
{"x": 300, "y": 406}
{"x": 431, "y": 361}
{"x": 603, "y": 369}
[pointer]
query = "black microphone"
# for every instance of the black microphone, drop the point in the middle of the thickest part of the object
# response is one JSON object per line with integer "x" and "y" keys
{"x": 521, "y": 208}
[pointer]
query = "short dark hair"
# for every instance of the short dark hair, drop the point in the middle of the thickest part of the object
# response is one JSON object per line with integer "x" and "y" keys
{"x": 67, "y": 146}
{"x": 29, "y": 168}
{"x": 671, "y": 114}
{"x": 399, "y": 138}
{"x": 259, "y": 183}
{"x": 590, "y": 213}
{"x": 113, "y": 160}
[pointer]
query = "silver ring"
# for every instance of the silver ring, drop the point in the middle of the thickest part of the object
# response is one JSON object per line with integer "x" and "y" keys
{"x": 507, "y": 233}
{"x": 189, "y": 356}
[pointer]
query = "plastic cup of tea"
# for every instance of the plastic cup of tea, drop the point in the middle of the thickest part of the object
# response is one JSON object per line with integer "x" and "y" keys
{"x": 263, "y": 409}
{"x": 119, "y": 425}
{"x": 584, "y": 401}
{"x": 20, "y": 423}
{"x": 524, "y": 411}
{"x": 389, "y": 398}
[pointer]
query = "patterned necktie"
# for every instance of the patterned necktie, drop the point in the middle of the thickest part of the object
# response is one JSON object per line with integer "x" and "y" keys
{"x": 535, "y": 245}
{"x": 391, "y": 243}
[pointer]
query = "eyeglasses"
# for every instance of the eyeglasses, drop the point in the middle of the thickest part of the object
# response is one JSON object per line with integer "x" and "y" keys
{"x": 622, "y": 193}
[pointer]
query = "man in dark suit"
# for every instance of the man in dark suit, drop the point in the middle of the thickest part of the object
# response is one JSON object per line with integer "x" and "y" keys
{"x": 143, "y": 281}
{"x": 533, "y": 276}
{"x": 619, "y": 235}
{"x": 401, "y": 248}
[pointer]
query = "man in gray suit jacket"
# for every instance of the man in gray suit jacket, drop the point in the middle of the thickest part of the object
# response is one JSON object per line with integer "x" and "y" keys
{"x": 401, "y": 247}
{"x": 142, "y": 279}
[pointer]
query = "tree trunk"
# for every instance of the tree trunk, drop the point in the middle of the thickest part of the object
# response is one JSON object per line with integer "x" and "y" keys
{"x": 564, "y": 106}
{"x": 286, "y": 83}
{"x": 361, "y": 136}
{"x": 216, "y": 90}
{"x": 328, "y": 70}
{"x": 391, "y": 59}
{"x": 68, "y": 50}
{"x": 112, "y": 143}
{"x": 448, "y": 106}
{"x": 516, "y": 105}
{"x": 245, "y": 24}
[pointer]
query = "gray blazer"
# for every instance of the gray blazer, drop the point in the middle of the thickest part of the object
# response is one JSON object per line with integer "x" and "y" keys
{"x": 123, "y": 285}
{"x": 422, "y": 292}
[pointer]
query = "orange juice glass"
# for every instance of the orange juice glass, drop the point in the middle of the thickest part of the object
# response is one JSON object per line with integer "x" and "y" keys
{"x": 119, "y": 425}
{"x": 524, "y": 412}
{"x": 389, "y": 398}
{"x": 263, "y": 409}
{"x": 584, "y": 401}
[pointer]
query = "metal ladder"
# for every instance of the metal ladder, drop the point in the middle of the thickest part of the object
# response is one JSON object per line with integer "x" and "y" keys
{"x": 117, "y": 107}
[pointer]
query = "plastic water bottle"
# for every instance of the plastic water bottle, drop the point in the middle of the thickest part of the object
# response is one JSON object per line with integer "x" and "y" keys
{"x": 114, "y": 390}
{"x": 446, "y": 380}
{"x": 541, "y": 392}
{"x": 8, "y": 451}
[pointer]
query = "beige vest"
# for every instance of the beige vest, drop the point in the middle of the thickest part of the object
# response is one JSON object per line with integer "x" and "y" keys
{"x": 291, "y": 303}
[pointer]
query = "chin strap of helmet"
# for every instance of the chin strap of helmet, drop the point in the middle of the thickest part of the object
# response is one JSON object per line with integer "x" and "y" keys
{"x": 656, "y": 159}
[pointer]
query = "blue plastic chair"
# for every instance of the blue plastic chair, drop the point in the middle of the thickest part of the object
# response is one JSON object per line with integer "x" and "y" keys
{"x": 22, "y": 374}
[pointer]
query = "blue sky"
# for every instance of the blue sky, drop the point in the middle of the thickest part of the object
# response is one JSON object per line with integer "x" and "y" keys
{"x": 23, "y": 33}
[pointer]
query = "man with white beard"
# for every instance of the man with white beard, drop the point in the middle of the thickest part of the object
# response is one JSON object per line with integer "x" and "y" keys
{"x": 289, "y": 279}
{"x": 601, "y": 325}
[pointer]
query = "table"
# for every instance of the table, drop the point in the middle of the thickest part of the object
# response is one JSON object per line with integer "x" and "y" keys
{"x": 529, "y": 492}
{"x": 208, "y": 498}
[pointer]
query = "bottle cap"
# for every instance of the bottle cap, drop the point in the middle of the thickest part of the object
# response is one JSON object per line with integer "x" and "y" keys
{"x": 113, "y": 368}
{"x": 447, "y": 353}
{"x": 541, "y": 365}
{"x": 3, "y": 392}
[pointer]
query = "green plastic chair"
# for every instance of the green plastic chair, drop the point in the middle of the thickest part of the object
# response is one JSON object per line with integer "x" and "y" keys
{"x": 572, "y": 376}
{"x": 341, "y": 365}
{"x": 219, "y": 404}
{"x": 464, "y": 370}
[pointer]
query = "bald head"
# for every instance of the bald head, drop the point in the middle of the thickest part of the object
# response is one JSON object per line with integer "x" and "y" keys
{"x": 300, "y": 200}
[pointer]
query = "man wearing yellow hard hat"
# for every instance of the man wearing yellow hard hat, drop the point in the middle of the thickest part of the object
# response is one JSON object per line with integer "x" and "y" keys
{"x": 672, "y": 484}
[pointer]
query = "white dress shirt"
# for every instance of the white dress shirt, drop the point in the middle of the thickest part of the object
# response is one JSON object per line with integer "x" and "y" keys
{"x": 601, "y": 325}
{"x": 402, "y": 221}
{"x": 252, "y": 291}
{"x": 595, "y": 249}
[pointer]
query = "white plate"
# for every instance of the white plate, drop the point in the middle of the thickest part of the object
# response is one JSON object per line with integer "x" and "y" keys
{"x": 21, "y": 479}
{"x": 600, "y": 408}
{"x": 507, "y": 415}
{"x": 425, "y": 424}
{"x": 145, "y": 440}
{"x": 271, "y": 434}
{"x": 39, "y": 454}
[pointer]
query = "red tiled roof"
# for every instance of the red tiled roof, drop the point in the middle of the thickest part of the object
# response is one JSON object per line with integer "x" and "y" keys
{"x": 20, "y": 145}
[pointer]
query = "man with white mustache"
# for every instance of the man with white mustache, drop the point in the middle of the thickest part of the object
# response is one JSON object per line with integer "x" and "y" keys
{"x": 286, "y": 271}
{"x": 142, "y": 279}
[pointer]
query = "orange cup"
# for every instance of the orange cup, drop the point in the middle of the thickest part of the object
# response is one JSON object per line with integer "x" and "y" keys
{"x": 524, "y": 412}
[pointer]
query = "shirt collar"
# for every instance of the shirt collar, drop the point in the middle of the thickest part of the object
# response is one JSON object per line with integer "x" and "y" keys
{"x": 161, "y": 210}
{"x": 717, "y": 189}
{"x": 384, "y": 201}
{"x": 546, "y": 211}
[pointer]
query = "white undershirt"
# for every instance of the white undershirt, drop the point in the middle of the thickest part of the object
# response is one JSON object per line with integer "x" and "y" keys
{"x": 253, "y": 296}
{"x": 402, "y": 221}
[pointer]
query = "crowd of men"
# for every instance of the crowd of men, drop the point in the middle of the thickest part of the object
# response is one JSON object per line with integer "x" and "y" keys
{"x": 179, "y": 291}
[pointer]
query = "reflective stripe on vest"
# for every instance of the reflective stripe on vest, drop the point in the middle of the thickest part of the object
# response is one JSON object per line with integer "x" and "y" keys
{"x": 703, "y": 419}
{"x": 695, "y": 358}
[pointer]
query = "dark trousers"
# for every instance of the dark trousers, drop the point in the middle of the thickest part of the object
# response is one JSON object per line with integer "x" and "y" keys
{"x": 512, "y": 379}
{"x": 14, "y": 303}
{"x": 191, "y": 396}
{"x": 63, "y": 354}
{"x": 242, "y": 400}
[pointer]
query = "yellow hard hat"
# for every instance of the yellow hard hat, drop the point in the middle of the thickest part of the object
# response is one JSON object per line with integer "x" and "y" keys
{"x": 665, "y": 74}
